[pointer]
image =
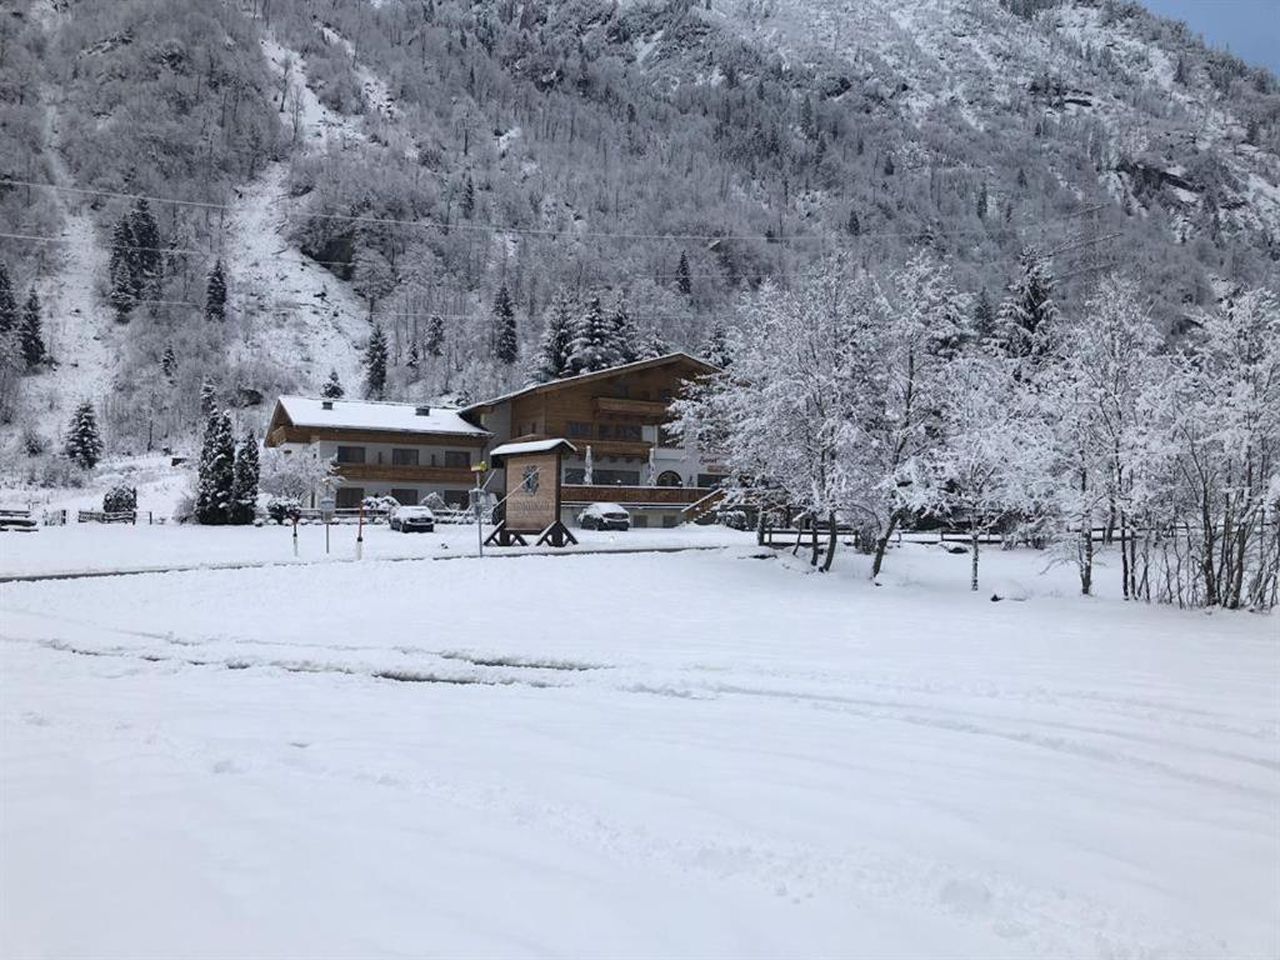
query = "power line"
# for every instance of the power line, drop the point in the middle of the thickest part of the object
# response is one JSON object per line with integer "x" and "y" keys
{"x": 496, "y": 229}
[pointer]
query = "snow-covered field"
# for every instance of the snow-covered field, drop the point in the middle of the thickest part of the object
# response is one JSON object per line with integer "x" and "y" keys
{"x": 693, "y": 754}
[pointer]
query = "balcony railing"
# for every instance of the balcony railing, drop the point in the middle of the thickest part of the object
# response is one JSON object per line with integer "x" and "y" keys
{"x": 590, "y": 493}
{"x": 459, "y": 476}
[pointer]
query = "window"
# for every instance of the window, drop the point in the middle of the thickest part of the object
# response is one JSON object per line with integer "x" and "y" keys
{"x": 628, "y": 431}
{"x": 401, "y": 457}
{"x": 348, "y": 498}
{"x": 351, "y": 454}
{"x": 575, "y": 475}
{"x": 576, "y": 428}
{"x": 404, "y": 495}
{"x": 669, "y": 478}
{"x": 458, "y": 459}
{"x": 639, "y": 520}
{"x": 710, "y": 479}
{"x": 605, "y": 431}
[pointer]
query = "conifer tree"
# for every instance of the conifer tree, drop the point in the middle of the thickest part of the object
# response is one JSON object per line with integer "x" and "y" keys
{"x": 593, "y": 347}
{"x": 626, "y": 348}
{"x": 216, "y": 473}
{"x": 215, "y": 297}
{"x": 244, "y": 482}
{"x": 84, "y": 443}
{"x": 854, "y": 226}
{"x": 208, "y": 397}
{"x": 716, "y": 348}
{"x": 557, "y": 341}
{"x": 8, "y": 303}
{"x": 468, "y": 203}
{"x": 435, "y": 336}
{"x": 506, "y": 346}
{"x": 146, "y": 257}
{"x": 415, "y": 358}
{"x": 684, "y": 281}
{"x": 653, "y": 346}
{"x": 375, "y": 364}
{"x": 169, "y": 363}
{"x": 332, "y": 389}
{"x": 1023, "y": 326}
{"x": 984, "y": 316}
{"x": 121, "y": 271}
{"x": 29, "y": 334}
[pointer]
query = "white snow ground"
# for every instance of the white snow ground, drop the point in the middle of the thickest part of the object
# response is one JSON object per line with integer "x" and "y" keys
{"x": 696, "y": 754}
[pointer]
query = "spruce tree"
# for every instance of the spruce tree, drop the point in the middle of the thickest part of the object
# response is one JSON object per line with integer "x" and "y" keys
{"x": 625, "y": 337}
{"x": 653, "y": 346}
{"x": 684, "y": 281}
{"x": 216, "y": 473}
{"x": 593, "y": 347}
{"x": 984, "y": 316}
{"x": 557, "y": 341}
{"x": 244, "y": 482}
{"x": 169, "y": 363}
{"x": 215, "y": 297}
{"x": 332, "y": 389}
{"x": 8, "y": 303}
{"x": 208, "y": 397}
{"x": 716, "y": 348}
{"x": 123, "y": 294}
{"x": 29, "y": 334}
{"x": 854, "y": 225}
{"x": 84, "y": 443}
{"x": 415, "y": 358}
{"x": 468, "y": 204}
{"x": 435, "y": 336}
{"x": 375, "y": 364}
{"x": 1026, "y": 316}
{"x": 147, "y": 257}
{"x": 506, "y": 346}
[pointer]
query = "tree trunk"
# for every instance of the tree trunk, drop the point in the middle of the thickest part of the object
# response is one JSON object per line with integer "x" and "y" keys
{"x": 831, "y": 542}
{"x": 882, "y": 545}
{"x": 973, "y": 566}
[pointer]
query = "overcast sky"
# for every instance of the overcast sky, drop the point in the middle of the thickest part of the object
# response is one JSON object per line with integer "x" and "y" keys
{"x": 1249, "y": 28}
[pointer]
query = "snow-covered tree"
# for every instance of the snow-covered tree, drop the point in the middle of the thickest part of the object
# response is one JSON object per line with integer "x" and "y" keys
{"x": 715, "y": 349}
{"x": 375, "y": 364}
{"x": 8, "y": 303}
{"x": 169, "y": 363}
{"x": 147, "y": 256}
{"x": 294, "y": 475}
{"x": 332, "y": 389}
{"x": 506, "y": 344}
{"x": 244, "y": 482}
{"x": 208, "y": 397}
{"x": 625, "y": 338}
{"x": 30, "y": 334}
{"x": 215, "y": 296}
{"x": 435, "y": 336}
{"x": 652, "y": 346}
{"x": 684, "y": 281}
{"x": 84, "y": 443}
{"x": 556, "y": 349}
{"x": 593, "y": 345}
{"x": 1025, "y": 323}
{"x": 123, "y": 293}
{"x": 216, "y": 471}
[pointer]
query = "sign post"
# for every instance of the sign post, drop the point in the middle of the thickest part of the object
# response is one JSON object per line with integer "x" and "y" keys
{"x": 532, "y": 501}
{"x": 477, "y": 496}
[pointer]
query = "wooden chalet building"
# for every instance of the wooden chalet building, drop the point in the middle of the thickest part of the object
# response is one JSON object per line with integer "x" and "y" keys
{"x": 383, "y": 449}
{"x": 619, "y": 414}
{"x": 407, "y": 451}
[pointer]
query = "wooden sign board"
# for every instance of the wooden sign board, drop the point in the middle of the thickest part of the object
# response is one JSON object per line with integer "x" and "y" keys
{"x": 533, "y": 491}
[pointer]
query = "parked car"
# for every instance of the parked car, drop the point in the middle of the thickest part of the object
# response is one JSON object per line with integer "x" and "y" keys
{"x": 409, "y": 519}
{"x": 604, "y": 516}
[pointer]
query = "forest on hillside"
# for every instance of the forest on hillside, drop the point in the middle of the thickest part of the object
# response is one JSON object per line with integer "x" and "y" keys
{"x": 489, "y": 169}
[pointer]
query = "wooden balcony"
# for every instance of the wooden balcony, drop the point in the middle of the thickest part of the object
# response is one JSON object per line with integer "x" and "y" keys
{"x": 389, "y": 473}
{"x": 654, "y": 411}
{"x": 655, "y": 496}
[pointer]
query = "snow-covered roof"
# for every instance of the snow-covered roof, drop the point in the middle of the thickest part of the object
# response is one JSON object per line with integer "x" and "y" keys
{"x": 677, "y": 357}
{"x": 530, "y": 446}
{"x": 377, "y": 415}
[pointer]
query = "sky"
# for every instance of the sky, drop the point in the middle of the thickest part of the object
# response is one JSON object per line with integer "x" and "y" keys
{"x": 1249, "y": 28}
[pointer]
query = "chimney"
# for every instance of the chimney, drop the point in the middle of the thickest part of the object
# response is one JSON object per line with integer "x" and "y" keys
{"x": 422, "y": 411}
{"x": 326, "y": 404}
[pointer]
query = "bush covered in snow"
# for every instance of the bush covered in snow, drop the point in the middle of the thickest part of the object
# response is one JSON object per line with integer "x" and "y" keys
{"x": 120, "y": 499}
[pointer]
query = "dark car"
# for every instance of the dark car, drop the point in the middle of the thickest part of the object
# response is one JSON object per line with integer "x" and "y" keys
{"x": 409, "y": 519}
